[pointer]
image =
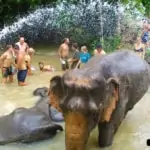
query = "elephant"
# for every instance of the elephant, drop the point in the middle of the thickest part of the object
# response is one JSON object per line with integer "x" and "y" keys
{"x": 101, "y": 94}
{"x": 27, "y": 125}
{"x": 44, "y": 105}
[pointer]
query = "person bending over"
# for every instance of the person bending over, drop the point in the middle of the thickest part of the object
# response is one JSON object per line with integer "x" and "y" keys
{"x": 45, "y": 68}
{"x": 6, "y": 62}
{"x": 28, "y": 62}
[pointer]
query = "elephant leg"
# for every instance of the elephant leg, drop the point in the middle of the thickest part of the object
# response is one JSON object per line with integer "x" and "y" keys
{"x": 128, "y": 108}
{"x": 108, "y": 129}
{"x": 106, "y": 134}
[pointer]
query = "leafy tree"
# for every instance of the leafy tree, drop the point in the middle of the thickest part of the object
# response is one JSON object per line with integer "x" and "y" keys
{"x": 137, "y": 4}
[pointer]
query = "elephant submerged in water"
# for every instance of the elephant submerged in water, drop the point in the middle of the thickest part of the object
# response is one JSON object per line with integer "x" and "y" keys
{"x": 44, "y": 105}
{"x": 100, "y": 93}
{"x": 29, "y": 124}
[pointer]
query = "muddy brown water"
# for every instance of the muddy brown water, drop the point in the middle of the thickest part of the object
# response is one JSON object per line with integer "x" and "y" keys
{"x": 132, "y": 134}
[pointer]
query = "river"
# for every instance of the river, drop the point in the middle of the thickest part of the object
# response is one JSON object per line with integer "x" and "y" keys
{"x": 132, "y": 134}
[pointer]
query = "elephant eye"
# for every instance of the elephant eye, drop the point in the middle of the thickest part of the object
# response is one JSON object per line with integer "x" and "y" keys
{"x": 95, "y": 92}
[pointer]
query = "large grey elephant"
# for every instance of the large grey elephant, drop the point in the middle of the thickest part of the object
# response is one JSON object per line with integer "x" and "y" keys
{"x": 29, "y": 124}
{"x": 100, "y": 93}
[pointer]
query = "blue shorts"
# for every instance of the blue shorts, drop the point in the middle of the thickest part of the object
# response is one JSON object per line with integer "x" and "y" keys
{"x": 21, "y": 75}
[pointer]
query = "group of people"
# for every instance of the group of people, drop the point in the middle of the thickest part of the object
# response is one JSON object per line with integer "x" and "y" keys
{"x": 78, "y": 58}
{"x": 16, "y": 58}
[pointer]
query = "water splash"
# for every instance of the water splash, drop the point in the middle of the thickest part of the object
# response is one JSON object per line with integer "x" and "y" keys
{"x": 53, "y": 24}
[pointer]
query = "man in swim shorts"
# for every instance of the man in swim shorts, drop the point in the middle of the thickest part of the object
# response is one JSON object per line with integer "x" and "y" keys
{"x": 6, "y": 62}
{"x": 64, "y": 54}
{"x": 21, "y": 66}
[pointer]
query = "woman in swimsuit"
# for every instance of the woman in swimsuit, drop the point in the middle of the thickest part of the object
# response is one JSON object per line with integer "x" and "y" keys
{"x": 139, "y": 48}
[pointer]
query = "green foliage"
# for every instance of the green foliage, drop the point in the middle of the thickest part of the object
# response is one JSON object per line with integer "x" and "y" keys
{"x": 9, "y": 9}
{"x": 141, "y": 5}
{"x": 147, "y": 53}
{"x": 109, "y": 44}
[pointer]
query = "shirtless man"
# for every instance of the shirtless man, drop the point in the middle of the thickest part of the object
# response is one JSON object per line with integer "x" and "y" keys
{"x": 64, "y": 54}
{"x": 21, "y": 66}
{"x": 99, "y": 51}
{"x": 6, "y": 62}
{"x": 22, "y": 44}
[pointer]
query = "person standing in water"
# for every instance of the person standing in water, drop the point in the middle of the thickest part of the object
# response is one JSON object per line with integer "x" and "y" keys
{"x": 145, "y": 36}
{"x": 139, "y": 48}
{"x": 6, "y": 62}
{"x": 21, "y": 66}
{"x": 99, "y": 50}
{"x": 22, "y": 44}
{"x": 76, "y": 56}
{"x": 84, "y": 56}
{"x": 28, "y": 62}
{"x": 63, "y": 53}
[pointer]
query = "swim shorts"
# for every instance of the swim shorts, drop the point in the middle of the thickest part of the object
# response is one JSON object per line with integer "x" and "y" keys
{"x": 21, "y": 75}
{"x": 64, "y": 63}
{"x": 7, "y": 71}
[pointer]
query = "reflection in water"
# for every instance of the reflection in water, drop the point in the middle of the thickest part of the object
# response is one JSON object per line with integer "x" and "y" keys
{"x": 131, "y": 135}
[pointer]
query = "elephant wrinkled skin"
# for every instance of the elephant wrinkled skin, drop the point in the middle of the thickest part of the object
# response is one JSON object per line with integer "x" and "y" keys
{"x": 29, "y": 124}
{"x": 100, "y": 93}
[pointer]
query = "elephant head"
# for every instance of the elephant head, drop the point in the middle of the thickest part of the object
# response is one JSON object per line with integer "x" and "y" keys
{"x": 84, "y": 101}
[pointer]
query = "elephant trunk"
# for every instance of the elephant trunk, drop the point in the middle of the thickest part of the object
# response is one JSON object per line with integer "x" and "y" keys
{"x": 77, "y": 133}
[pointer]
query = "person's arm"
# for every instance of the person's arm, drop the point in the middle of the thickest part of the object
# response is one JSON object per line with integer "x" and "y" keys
{"x": 104, "y": 53}
{"x": 95, "y": 52}
{"x": 60, "y": 51}
{"x": 72, "y": 60}
{"x": 14, "y": 64}
{"x": 2, "y": 58}
{"x": 78, "y": 64}
{"x": 19, "y": 60}
{"x": 143, "y": 54}
{"x": 142, "y": 34}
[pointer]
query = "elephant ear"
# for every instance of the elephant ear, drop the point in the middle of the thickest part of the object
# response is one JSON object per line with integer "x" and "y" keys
{"x": 112, "y": 99}
{"x": 55, "y": 91}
